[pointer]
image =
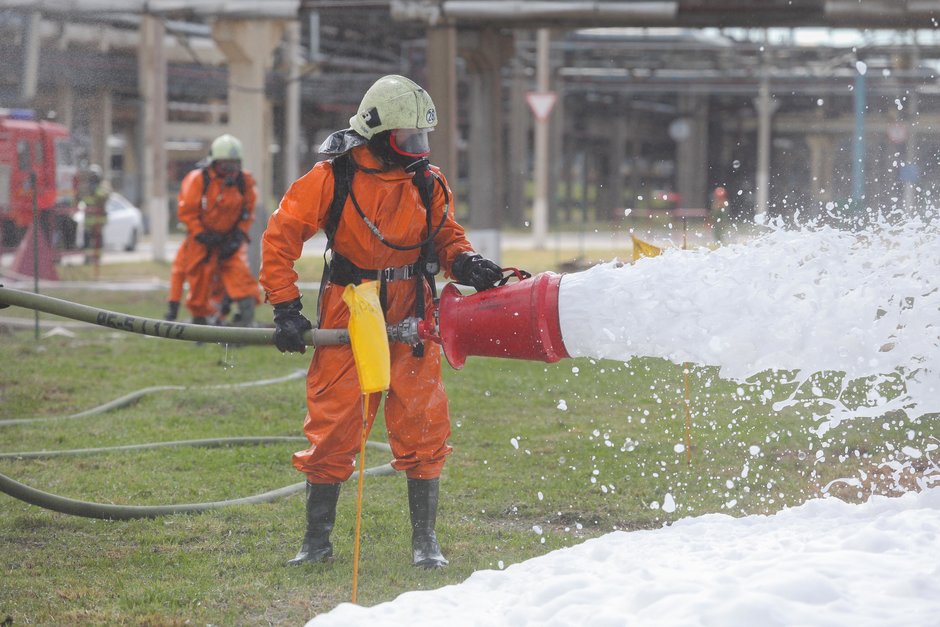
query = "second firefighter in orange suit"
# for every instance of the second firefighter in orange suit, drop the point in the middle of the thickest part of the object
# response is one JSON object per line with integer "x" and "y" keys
{"x": 216, "y": 204}
{"x": 388, "y": 135}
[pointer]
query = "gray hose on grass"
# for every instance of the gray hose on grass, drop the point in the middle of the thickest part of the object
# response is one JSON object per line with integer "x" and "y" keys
{"x": 87, "y": 509}
{"x": 133, "y": 397}
{"x": 206, "y": 443}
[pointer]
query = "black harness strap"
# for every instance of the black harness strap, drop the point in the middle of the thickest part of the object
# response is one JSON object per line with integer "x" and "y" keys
{"x": 343, "y": 169}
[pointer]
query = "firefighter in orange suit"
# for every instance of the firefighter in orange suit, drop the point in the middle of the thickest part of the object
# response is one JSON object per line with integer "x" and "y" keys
{"x": 221, "y": 303}
{"x": 217, "y": 205}
{"x": 395, "y": 224}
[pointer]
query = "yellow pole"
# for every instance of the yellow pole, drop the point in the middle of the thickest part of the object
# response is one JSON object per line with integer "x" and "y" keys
{"x": 362, "y": 462}
{"x": 688, "y": 416}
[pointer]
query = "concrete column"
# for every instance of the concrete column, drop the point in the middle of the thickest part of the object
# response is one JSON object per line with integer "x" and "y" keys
{"x": 484, "y": 58}
{"x": 292, "y": 130}
{"x": 692, "y": 152}
{"x": 556, "y": 143}
{"x": 151, "y": 59}
{"x": 31, "y": 45}
{"x": 65, "y": 105}
{"x": 765, "y": 109}
{"x": 130, "y": 184}
{"x": 442, "y": 85}
{"x": 518, "y": 166}
{"x": 912, "y": 143}
{"x": 617, "y": 149}
{"x": 567, "y": 177}
{"x": 540, "y": 202}
{"x": 100, "y": 130}
{"x": 819, "y": 191}
{"x": 248, "y": 46}
{"x": 636, "y": 154}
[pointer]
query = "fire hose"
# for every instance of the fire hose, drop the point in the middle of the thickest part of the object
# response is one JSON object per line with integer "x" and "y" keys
{"x": 406, "y": 331}
{"x": 87, "y": 509}
{"x": 517, "y": 321}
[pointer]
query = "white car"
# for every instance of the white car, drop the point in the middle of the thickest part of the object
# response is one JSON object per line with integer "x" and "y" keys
{"x": 123, "y": 229}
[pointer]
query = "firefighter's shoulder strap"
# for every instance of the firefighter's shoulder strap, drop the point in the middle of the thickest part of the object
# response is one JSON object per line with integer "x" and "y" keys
{"x": 343, "y": 170}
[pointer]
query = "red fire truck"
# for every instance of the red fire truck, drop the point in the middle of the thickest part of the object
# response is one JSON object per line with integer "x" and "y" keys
{"x": 29, "y": 146}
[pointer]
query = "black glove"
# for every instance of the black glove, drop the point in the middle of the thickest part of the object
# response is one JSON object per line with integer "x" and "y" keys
{"x": 290, "y": 325}
{"x": 209, "y": 238}
{"x": 232, "y": 242}
{"x": 473, "y": 269}
{"x": 3, "y": 305}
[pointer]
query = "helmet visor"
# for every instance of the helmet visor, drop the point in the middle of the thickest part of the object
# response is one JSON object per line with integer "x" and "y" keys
{"x": 411, "y": 142}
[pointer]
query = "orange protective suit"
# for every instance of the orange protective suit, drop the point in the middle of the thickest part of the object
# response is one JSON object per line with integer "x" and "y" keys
{"x": 217, "y": 295}
{"x": 416, "y": 413}
{"x": 217, "y": 208}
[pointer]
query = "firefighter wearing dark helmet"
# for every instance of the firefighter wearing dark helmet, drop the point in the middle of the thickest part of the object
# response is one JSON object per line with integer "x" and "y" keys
{"x": 393, "y": 222}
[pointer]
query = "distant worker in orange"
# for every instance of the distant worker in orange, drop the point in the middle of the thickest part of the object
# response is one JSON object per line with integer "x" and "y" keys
{"x": 221, "y": 303}
{"x": 217, "y": 206}
{"x": 389, "y": 217}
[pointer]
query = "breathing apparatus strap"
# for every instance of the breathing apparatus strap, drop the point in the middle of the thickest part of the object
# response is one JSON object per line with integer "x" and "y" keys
{"x": 343, "y": 170}
{"x": 428, "y": 261}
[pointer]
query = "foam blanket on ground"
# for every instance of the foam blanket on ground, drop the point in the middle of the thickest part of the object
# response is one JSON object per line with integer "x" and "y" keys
{"x": 825, "y": 562}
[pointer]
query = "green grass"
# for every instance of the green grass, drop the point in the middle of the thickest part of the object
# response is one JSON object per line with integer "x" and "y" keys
{"x": 578, "y": 449}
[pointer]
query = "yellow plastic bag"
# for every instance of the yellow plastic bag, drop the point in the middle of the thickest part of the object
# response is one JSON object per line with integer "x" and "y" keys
{"x": 644, "y": 249}
{"x": 368, "y": 336}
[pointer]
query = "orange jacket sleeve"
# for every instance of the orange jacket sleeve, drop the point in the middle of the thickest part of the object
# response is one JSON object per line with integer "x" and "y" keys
{"x": 301, "y": 213}
{"x": 251, "y": 200}
{"x": 451, "y": 240}
{"x": 188, "y": 202}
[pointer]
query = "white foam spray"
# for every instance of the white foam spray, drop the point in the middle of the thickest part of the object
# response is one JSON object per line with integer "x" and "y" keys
{"x": 812, "y": 300}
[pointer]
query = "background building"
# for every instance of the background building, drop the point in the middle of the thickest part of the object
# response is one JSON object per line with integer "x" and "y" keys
{"x": 790, "y": 105}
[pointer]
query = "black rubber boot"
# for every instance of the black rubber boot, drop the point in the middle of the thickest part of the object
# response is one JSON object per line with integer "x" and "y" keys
{"x": 422, "y": 503}
{"x": 246, "y": 312}
{"x": 172, "y": 310}
{"x": 200, "y": 320}
{"x": 321, "y": 514}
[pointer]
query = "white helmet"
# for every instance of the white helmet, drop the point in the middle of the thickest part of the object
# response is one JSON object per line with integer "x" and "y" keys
{"x": 225, "y": 148}
{"x": 395, "y": 102}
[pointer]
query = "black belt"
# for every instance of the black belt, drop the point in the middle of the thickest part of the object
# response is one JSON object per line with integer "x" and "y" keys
{"x": 345, "y": 272}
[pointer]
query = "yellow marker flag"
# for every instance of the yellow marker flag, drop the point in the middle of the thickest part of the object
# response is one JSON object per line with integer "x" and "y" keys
{"x": 368, "y": 336}
{"x": 644, "y": 249}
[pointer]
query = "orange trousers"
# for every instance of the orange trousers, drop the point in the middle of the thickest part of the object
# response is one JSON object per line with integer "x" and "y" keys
{"x": 203, "y": 272}
{"x": 416, "y": 413}
{"x": 177, "y": 275}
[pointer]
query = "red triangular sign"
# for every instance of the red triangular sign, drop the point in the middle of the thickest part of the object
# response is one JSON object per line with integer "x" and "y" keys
{"x": 541, "y": 103}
